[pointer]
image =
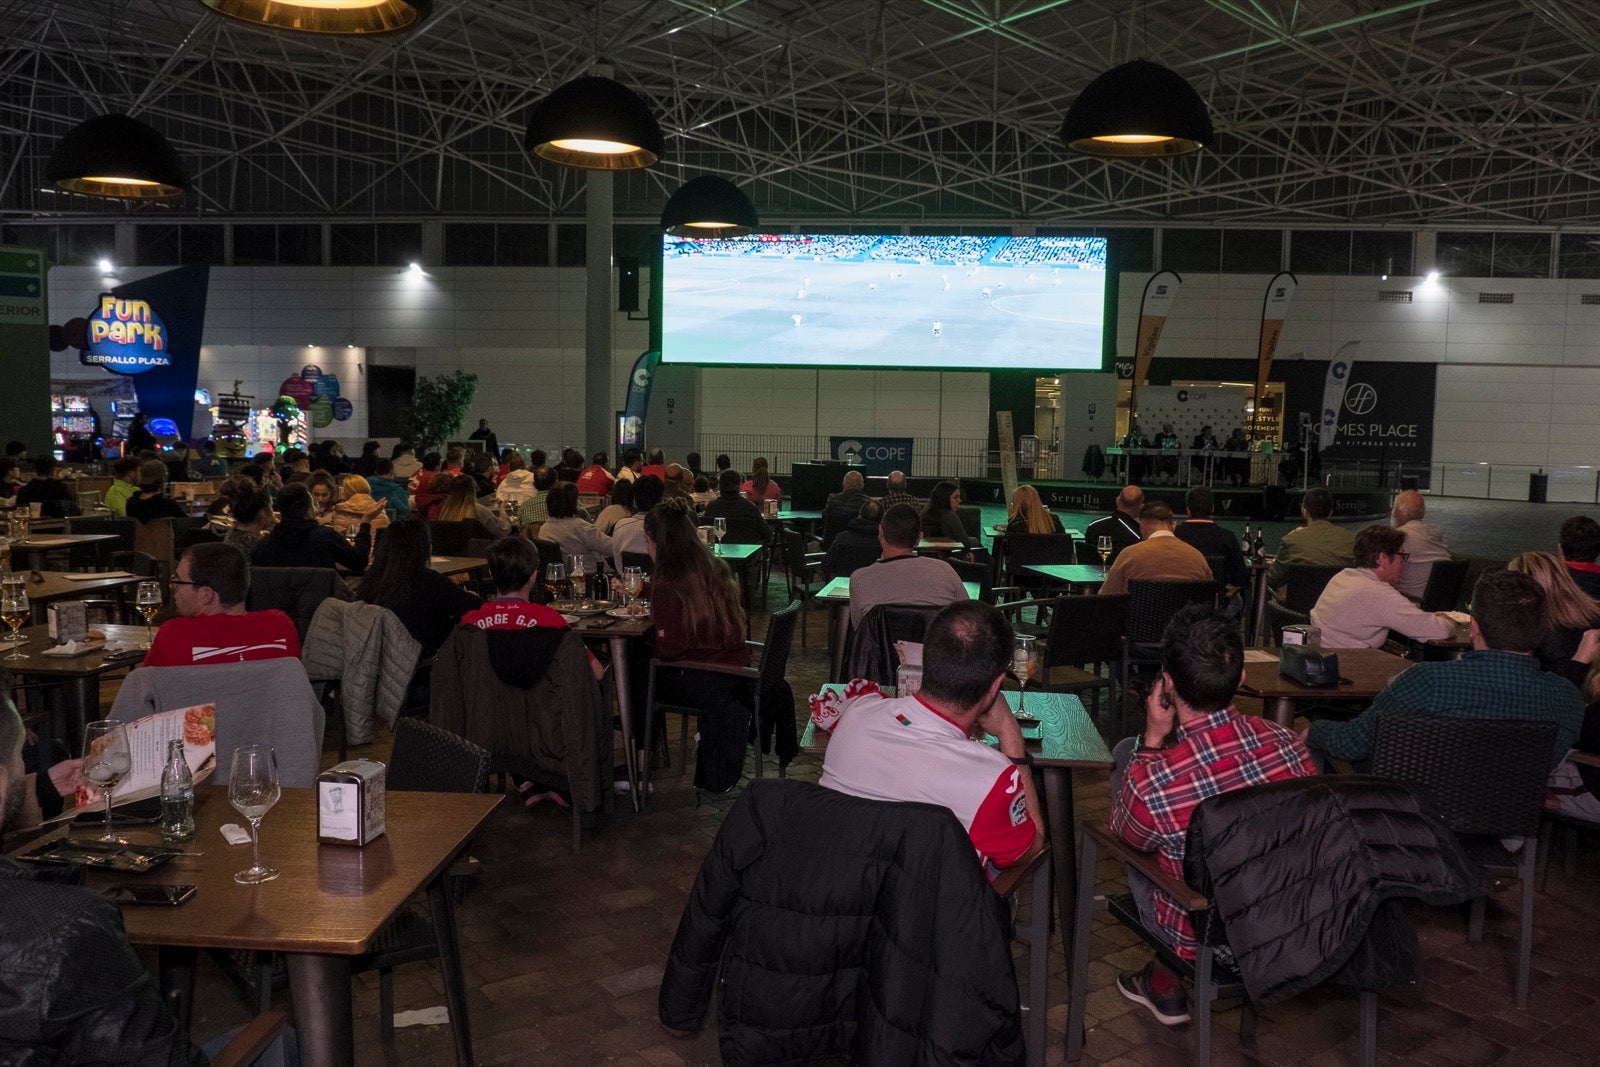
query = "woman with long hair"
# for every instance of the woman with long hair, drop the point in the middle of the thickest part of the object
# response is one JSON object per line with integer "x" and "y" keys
{"x": 428, "y": 603}
{"x": 460, "y": 504}
{"x": 759, "y": 487}
{"x": 620, "y": 508}
{"x": 1569, "y": 612}
{"x": 356, "y": 505}
{"x": 939, "y": 518}
{"x": 1029, "y": 515}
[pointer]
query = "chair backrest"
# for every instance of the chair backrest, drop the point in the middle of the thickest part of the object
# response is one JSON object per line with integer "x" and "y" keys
{"x": 124, "y": 529}
{"x": 1086, "y": 629}
{"x": 1304, "y": 583}
{"x": 134, "y": 563}
{"x": 478, "y": 547}
{"x": 778, "y": 642}
{"x": 155, "y": 539}
{"x": 295, "y": 591}
{"x": 1482, "y": 776}
{"x": 1086, "y": 554}
{"x": 641, "y": 560}
{"x": 1152, "y": 604}
{"x": 971, "y": 517}
{"x": 428, "y": 759}
{"x": 1443, "y": 591}
{"x": 968, "y": 571}
{"x": 747, "y": 531}
{"x": 451, "y": 538}
{"x": 832, "y": 523}
{"x": 1030, "y": 549}
{"x": 549, "y": 551}
{"x": 872, "y": 653}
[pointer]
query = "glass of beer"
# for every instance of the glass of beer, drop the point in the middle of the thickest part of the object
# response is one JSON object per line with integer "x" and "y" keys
{"x": 1024, "y": 662}
{"x": 14, "y": 610}
{"x": 555, "y": 579}
{"x": 147, "y": 599}
{"x": 1104, "y": 548}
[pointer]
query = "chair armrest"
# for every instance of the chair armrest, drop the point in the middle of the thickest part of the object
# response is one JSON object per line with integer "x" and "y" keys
{"x": 1010, "y": 879}
{"x": 1018, "y": 605}
{"x": 1146, "y": 864}
{"x": 814, "y": 558}
{"x": 1588, "y": 759}
{"x": 252, "y": 1041}
{"x": 708, "y": 668}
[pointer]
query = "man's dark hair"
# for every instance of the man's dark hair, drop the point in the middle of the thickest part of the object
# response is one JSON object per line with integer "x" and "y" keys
{"x": 536, "y": 458}
{"x": 1377, "y": 541}
{"x": 253, "y": 472}
{"x": 544, "y": 478}
{"x": 872, "y": 511}
{"x": 600, "y": 459}
{"x": 728, "y": 482}
{"x": 692, "y": 461}
{"x": 622, "y": 493}
{"x": 563, "y": 500}
{"x": 1580, "y": 539}
{"x": 295, "y": 501}
{"x": 630, "y": 457}
{"x": 647, "y": 492}
{"x": 1203, "y": 652}
{"x": 723, "y": 462}
{"x": 1156, "y": 512}
{"x": 44, "y": 466}
{"x": 967, "y": 646}
{"x": 1199, "y": 502}
{"x": 125, "y": 465}
{"x": 512, "y": 561}
{"x": 400, "y": 448}
{"x": 430, "y": 462}
{"x": 901, "y": 526}
{"x": 658, "y": 458}
{"x": 1318, "y": 504}
{"x": 383, "y": 468}
{"x": 1508, "y": 607}
{"x": 249, "y": 505}
{"x": 224, "y": 569}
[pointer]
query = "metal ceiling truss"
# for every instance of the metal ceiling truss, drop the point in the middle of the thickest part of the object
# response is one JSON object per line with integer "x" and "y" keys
{"x": 864, "y": 112}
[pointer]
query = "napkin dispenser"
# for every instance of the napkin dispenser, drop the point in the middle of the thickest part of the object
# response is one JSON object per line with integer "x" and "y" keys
{"x": 350, "y": 802}
{"x": 1309, "y": 665}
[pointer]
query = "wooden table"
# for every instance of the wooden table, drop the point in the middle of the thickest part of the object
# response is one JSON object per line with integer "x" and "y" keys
{"x": 78, "y": 676}
{"x": 329, "y": 904}
{"x": 449, "y": 566}
{"x": 836, "y": 594}
{"x": 617, "y": 633}
{"x": 1070, "y": 574}
{"x": 36, "y": 545}
{"x": 73, "y": 585}
{"x": 1064, "y": 737}
{"x": 1369, "y": 670}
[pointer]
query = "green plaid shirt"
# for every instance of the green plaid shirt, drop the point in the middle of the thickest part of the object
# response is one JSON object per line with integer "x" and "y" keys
{"x": 1480, "y": 685}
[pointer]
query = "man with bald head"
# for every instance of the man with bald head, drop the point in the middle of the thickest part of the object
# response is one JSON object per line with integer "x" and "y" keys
{"x": 1425, "y": 543}
{"x": 1122, "y": 525}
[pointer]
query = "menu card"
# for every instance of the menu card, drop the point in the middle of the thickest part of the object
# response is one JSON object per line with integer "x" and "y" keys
{"x": 147, "y": 745}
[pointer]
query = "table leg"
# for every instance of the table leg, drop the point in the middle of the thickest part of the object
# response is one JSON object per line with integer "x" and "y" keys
{"x": 83, "y": 707}
{"x": 1063, "y": 845}
{"x": 455, "y": 988}
{"x": 320, "y": 989}
{"x": 1258, "y": 612}
{"x": 836, "y": 635}
{"x": 619, "y": 673}
{"x": 175, "y": 970}
{"x": 1282, "y": 710}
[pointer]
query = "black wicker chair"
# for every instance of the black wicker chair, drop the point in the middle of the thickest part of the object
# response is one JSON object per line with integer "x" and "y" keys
{"x": 1085, "y": 631}
{"x": 1150, "y": 606}
{"x": 1303, "y": 584}
{"x": 1443, "y": 591}
{"x": 1486, "y": 779}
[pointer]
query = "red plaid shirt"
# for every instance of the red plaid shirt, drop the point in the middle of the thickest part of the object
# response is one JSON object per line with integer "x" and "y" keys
{"x": 1160, "y": 790}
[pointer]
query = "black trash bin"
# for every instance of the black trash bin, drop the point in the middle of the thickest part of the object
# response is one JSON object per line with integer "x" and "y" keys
{"x": 1538, "y": 487}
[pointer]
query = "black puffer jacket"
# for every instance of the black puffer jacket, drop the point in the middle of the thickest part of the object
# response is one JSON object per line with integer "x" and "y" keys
{"x": 1300, "y": 872}
{"x": 844, "y": 930}
{"x": 71, "y": 989}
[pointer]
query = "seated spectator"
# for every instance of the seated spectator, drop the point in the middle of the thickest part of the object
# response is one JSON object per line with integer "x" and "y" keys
{"x": 692, "y": 461}
{"x": 427, "y": 603}
{"x": 1360, "y": 605}
{"x": 703, "y": 493}
{"x": 517, "y": 485}
{"x": 124, "y": 484}
{"x": 210, "y": 465}
{"x": 366, "y": 464}
{"x": 356, "y": 505}
{"x": 1195, "y": 745}
{"x": 940, "y": 518}
{"x": 209, "y": 588}
{"x": 570, "y": 467}
{"x": 324, "y": 492}
{"x": 1425, "y": 543}
{"x": 405, "y": 461}
{"x": 1220, "y": 548}
{"x": 896, "y": 491}
{"x": 731, "y": 505}
{"x": 628, "y": 534}
{"x": 575, "y": 536}
{"x": 1575, "y": 787}
{"x": 389, "y": 488}
{"x": 55, "y": 497}
{"x": 900, "y": 576}
{"x": 655, "y": 464}
{"x": 424, "y": 496}
{"x": 1579, "y": 547}
{"x": 723, "y": 462}
{"x": 252, "y": 518}
{"x": 535, "y": 509}
{"x": 1028, "y": 514}
{"x": 1569, "y": 614}
{"x": 1319, "y": 543}
{"x": 460, "y": 504}
{"x": 759, "y": 487}
{"x": 1158, "y": 557}
{"x": 1499, "y": 679}
{"x": 480, "y": 467}
{"x": 1122, "y": 525}
{"x": 843, "y": 506}
{"x": 596, "y": 479}
{"x": 621, "y": 507}
{"x": 151, "y": 502}
{"x": 9, "y": 485}
{"x": 674, "y": 486}
{"x": 918, "y": 746}
{"x": 298, "y": 540}
{"x": 632, "y": 465}
{"x": 856, "y": 545}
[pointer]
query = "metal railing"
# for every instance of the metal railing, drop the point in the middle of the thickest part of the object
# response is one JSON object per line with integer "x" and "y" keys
{"x": 931, "y": 457}
{"x": 1484, "y": 480}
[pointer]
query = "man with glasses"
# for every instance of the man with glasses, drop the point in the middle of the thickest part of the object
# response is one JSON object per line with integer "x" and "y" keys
{"x": 209, "y": 590}
{"x": 1361, "y": 605}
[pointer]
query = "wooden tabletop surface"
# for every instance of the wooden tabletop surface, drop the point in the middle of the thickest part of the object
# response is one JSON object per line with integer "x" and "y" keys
{"x": 1070, "y": 573}
{"x": 450, "y": 565}
{"x": 838, "y": 590}
{"x": 330, "y": 899}
{"x": 56, "y": 584}
{"x": 123, "y": 648}
{"x": 1369, "y": 671}
{"x": 42, "y": 542}
{"x": 603, "y": 625}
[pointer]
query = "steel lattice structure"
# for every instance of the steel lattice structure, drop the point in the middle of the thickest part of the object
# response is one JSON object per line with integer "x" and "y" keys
{"x": 1328, "y": 112}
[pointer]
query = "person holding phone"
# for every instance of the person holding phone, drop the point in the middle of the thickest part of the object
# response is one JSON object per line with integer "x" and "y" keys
{"x": 1195, "y": 745}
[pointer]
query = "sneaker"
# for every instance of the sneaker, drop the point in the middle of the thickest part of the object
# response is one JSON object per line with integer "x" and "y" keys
{"x": 1170, "y": 1009}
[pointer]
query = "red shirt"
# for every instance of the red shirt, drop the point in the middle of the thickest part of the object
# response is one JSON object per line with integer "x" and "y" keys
{"x": 512, "y": 614}
{"x": 658, "y": 469}
{"x": 595, "y": 480}
{"x": 203, "y": 639}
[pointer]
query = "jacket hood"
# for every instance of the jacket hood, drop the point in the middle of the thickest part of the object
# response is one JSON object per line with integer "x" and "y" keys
{"x": 519, "y": 480}
{"x": 523, "y": 657}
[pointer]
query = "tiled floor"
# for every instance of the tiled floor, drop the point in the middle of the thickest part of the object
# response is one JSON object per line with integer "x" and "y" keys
{"x": 564, "y": 953}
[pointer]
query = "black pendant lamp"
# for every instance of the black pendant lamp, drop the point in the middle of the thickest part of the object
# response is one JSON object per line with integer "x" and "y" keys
{"x": 336, "y": 17}
{"x": 596, "y": 124}
{"x": 117, "y": 157}
{"x": 1137, "y": 110}
{"x": 709, "y": 206}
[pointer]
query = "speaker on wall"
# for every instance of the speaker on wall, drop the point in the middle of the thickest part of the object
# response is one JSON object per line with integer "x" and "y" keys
{"x": 627, "y": 283}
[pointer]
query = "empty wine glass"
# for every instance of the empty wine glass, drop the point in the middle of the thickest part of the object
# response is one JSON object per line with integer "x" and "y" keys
{"x": 1023, "y": 664}
{"x": 1104, "y": 548}
{"x": 147, "y": 599}
{"x": 14, "y": 610}
{"x": 106, "y": 761}
{"x": 555, "y": 579}
{"x": 252, "y": 790}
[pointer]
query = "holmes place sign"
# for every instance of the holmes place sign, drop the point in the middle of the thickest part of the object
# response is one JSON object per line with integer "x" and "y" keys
{"x": 126, "y": 337}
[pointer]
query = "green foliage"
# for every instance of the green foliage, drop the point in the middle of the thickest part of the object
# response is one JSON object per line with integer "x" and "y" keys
{"x": 438, "y": 409}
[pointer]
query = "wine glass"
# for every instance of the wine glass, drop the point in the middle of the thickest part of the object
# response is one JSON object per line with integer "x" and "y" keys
{"x": 632, "y": 585}
{"x": 1104, "y": 548}
{"x": 1023, "y": 664}
{"x": 252, "y": 790}
{"x": 106, "y": 761}
{"x": 719, "y": 528}
{"x": 578, "y": 570}
{"x": 14, "y": 611}
{"x": 147, "y": 598}
{"x": 555, "y": 579}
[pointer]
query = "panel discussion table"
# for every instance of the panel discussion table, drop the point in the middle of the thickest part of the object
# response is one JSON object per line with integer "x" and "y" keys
{"x": 78, "y": 676}
{"x": 1364, "y": 672}
{"x": 329, "y": 904}
{"x": 836, "y": 594}
{"x": 1061, "y": 736}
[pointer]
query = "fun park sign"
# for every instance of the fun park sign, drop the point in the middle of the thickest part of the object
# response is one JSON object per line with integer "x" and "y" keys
{"x": 125, "y": 336}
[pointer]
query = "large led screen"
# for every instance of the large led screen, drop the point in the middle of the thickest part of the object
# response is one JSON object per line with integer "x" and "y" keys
{"x": 830, "y": 300}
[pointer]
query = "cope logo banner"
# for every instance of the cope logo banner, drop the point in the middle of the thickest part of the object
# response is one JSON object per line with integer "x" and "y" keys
{"x": 126, "y": 336}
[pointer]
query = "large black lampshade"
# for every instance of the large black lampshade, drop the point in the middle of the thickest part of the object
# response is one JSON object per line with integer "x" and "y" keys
{"x": 339, "y": 17}
{"x": 117, "y": 157}
{"x": 709, "y": 206}
{"x": 596, "y": 124}
{"x": 1139, "y": 109}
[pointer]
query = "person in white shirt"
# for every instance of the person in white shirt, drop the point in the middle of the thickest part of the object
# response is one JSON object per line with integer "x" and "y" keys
{"x": 1425, "y": 544}
{"x": 1361, "y": 605}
